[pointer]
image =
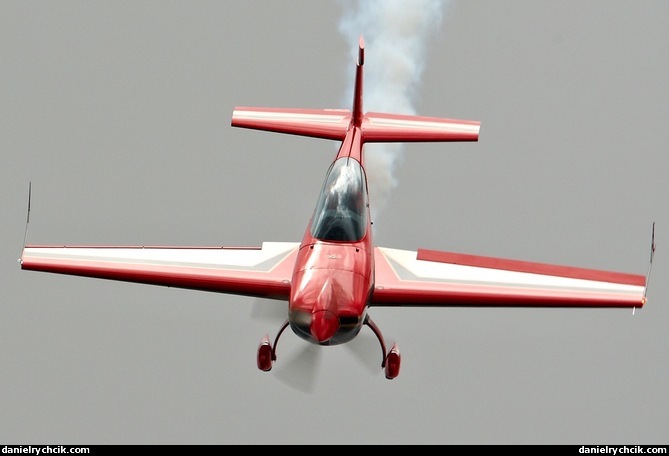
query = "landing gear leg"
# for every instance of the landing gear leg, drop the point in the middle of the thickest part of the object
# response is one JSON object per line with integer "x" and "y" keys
{"x": 391, "y": 359}
{"x": 267, "y": 352}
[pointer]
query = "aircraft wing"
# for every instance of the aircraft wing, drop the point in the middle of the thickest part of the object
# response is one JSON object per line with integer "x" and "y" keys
{"x": 433, "y": 278}
{"x": 262, "y": 272}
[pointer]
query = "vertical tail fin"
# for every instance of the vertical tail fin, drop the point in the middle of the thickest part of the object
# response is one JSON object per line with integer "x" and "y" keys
{"x": 357, "y": 91}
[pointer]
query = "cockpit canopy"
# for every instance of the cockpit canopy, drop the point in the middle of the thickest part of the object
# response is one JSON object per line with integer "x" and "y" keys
{"x": 341, "y": 212}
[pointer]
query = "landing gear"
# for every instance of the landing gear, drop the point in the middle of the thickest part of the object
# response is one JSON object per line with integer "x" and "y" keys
{"x": 267, "y": 352}
{"x": 390, "y": 363}
{"x": 391, "y": 359}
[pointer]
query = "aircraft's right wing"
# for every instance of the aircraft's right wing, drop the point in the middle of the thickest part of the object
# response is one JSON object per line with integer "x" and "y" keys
{"x": 433, "y": 278}
{"x": 261, "y": 272}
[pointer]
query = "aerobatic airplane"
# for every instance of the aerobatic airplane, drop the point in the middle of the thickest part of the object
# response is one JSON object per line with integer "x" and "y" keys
{"x": 335, "y": 274}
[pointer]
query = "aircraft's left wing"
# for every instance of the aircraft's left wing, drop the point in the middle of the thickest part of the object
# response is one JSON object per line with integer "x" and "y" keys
{"x": 261, "y": 272}
{"x": 433, "y": 278}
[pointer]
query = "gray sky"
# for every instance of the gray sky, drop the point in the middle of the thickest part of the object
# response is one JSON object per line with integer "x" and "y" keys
{"x": 119, "y": 113}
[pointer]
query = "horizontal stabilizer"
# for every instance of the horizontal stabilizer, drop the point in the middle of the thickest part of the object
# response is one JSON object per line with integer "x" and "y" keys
{"x": 375, "y": 127}
{"x": 380, "y": 127}
{"x": 317, "y": 123}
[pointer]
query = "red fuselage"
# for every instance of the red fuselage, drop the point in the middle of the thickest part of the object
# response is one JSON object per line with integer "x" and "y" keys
{"x": 333, "y": 276}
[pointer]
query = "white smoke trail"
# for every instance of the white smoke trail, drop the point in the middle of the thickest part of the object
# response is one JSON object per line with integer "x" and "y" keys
{"x": 396, "y": 34}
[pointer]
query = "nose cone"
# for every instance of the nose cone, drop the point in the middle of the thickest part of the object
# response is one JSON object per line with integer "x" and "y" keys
{"x": 324, "y": 325}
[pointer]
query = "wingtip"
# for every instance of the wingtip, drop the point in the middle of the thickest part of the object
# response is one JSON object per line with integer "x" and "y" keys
{"x": 30, "y": 191}
{"x": 25, "y": 234}
{"x": 650, "y": 263}
{"x": 652, "y": 243}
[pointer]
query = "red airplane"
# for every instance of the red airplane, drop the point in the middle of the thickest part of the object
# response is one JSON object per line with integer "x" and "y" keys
{"x": 336, "y": 274}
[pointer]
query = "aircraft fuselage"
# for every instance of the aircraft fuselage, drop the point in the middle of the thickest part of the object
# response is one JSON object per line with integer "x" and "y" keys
{"x": 334, "y": 273}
